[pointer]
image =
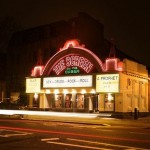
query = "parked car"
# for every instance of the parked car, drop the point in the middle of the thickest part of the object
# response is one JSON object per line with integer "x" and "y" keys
{"x": 12, "y": 106}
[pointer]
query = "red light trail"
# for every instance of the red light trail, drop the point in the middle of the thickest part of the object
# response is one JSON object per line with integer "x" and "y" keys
{"x": 73, "y": 134}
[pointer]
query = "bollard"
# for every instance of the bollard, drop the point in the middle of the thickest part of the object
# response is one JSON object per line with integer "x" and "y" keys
{"x": 135, "y": 113}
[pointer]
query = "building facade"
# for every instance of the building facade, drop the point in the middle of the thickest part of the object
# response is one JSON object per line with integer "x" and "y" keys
{"x": 25, "y": 47}
{"x": 75, "y": 79}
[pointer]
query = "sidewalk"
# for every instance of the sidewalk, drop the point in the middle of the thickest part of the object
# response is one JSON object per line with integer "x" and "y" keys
{"x": 80, "y": 118}
{"x": 97, "y": 120}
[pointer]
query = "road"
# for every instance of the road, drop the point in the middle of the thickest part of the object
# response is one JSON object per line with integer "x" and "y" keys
{"x": 54, "y": 135}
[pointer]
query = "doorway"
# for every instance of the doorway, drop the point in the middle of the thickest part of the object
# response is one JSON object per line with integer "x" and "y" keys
{"x": 93, "y": 102}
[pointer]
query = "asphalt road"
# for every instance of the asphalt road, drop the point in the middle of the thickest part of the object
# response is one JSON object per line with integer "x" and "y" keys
{"x": 54, "y": 135}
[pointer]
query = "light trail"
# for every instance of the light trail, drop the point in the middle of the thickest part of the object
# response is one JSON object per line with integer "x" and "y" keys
{"x": 46, "y": 113}
{"x": 74, "y": 134}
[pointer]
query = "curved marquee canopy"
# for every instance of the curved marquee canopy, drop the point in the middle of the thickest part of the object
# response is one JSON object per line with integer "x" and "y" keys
{"x": 73, "y": 59}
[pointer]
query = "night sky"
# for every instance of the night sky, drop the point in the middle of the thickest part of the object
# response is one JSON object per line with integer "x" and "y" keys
{"x": 127, "y": 21}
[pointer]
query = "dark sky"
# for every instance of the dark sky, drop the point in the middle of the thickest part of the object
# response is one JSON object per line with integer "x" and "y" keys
{"x": 127, "y": 21}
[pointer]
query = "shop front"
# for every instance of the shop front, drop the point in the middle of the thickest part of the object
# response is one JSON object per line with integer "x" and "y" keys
{"x": 76, "y": 80}
{"x": 63, "y": 93}
{"x": 69, "y": 93}
{"x": 78, "y": 93}
{"x": 108, "y": 86}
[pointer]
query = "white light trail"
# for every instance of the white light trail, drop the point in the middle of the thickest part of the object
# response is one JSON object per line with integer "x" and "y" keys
{"x": 46, "y": 113}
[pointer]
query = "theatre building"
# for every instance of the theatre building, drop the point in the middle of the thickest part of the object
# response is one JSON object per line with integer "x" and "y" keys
{"x": 76, "y": 80}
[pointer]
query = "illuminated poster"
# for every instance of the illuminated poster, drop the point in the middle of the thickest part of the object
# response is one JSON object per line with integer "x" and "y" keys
{"x": 33, "y": 85}
{"x": 109, "y": 102}
{"x": 80, "y": 101}
{"x": 68, "y": 101}
{"x": 58, "y": 101}
{"x": 107, "y": 83}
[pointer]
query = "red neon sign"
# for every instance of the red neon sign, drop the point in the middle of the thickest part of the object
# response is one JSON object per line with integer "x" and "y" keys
{"x": 71, "y": 43}
{"x": 37, "y": 71}
{"x": 113, "y": 64}
{"x": 65, "y": 58}
{"x": 72, "y": 61}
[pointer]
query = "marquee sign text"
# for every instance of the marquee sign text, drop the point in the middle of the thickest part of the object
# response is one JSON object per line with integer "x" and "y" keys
{"x": 73, "y": 61}
{"x": 33, "y": 85}
{"x": 107, "y": 83}
{"x": 68, "y": 81}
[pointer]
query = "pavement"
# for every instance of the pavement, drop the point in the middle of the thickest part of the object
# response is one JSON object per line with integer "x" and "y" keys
{"x": 102, "y": 121}
{"x": 83, "y": 118}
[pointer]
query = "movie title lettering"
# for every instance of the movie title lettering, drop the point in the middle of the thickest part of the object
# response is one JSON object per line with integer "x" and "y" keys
{"x": 59, "y": 67}
{"x": 73, "y": 61}
{"x": 83, "y": 80}
{"x": 109, "y": 78}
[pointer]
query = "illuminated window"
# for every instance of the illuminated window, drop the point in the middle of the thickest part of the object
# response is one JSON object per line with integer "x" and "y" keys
{"x": 80, "y": 101}
{"x": 68, "y": 101}
{"x": 58, "y": 100}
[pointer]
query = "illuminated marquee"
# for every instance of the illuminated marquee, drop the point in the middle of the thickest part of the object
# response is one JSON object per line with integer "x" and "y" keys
{"x": 70, "y": 61}
{"x": 108, "y": 83}
{"x": 33, "y": 85}
{"x": 68, "y": 81}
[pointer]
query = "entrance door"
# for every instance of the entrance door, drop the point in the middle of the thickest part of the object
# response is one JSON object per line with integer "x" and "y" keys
{"x": 93, "y": 102}
{"x": 49, "y": 100}
{"x": 36, "y": 101}
{"x": 109, "y": 102}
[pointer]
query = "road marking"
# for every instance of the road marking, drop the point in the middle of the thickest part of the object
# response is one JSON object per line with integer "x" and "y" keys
{"x": 75, "y": 125}
{"x": 51, "y": 139}
{"x": 76, "y": 134}
{"x": 10, "y": 133}
{"x": 66, "y": 143}
{"x": 106, "y": 144}
{"x": 55, "y": 141}
{"x": 76, "y": 145}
